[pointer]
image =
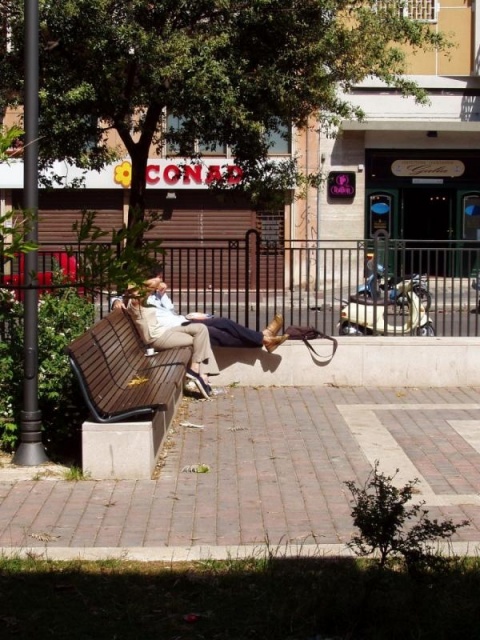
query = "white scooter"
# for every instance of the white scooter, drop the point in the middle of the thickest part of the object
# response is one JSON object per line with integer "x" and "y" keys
{"x": 362, "y": 315}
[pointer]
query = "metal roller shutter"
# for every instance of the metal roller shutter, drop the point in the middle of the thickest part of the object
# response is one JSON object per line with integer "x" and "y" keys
{"x": 200, "y": 215}
{"x": 60, "y": 209}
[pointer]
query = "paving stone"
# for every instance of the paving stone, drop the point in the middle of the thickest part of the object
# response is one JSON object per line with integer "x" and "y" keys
{"x": 279, "y": 459}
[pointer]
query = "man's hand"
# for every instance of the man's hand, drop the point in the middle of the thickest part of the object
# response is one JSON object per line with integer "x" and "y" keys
{"x": 118, "y": 304}
{"x": 162, "y": 287}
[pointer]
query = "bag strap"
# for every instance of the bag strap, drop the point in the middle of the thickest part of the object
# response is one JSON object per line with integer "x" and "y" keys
{"x": 325, "y": 337}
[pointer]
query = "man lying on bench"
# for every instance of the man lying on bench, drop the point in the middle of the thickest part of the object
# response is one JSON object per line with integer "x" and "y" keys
{"x": 223, "y": 332}
{"x": 158, "y": 336}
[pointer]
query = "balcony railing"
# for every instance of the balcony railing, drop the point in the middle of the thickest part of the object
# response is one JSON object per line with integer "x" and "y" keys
{"x": 420, "y": 10}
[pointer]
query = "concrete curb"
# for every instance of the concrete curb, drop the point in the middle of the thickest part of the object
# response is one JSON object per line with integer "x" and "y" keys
{"x": 205, "y": 553}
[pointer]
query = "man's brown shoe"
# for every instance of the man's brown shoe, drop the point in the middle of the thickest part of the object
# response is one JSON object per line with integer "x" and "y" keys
{"x": 275, "y": 341}
{"x": 274, "y": 327}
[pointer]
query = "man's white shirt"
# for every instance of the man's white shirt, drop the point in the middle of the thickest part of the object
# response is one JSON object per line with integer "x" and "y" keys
{"x": 165, "y": 310}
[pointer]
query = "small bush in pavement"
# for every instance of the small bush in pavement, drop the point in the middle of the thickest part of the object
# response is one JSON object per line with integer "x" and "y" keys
{"x": 392, "y": 528}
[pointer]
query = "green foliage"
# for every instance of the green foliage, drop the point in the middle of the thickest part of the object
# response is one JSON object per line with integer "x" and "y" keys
{"x": 15, "y": 226}
{"x": 11, "y": 363}
{"x": 232, "y": 73}
{"x": 113, "y": 260}
{"x": 8, "y": 137}
{"x": 382, "y": 513}
{"x": 75, "y": 474}
{"x": 61, "y": 318}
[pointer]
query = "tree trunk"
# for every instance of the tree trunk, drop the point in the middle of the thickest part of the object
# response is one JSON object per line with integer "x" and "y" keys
{"x": 139, "y": 152}
{"x": 136, "y": 205}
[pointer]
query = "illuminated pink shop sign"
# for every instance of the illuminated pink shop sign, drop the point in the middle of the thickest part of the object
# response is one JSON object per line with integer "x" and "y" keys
{"x": 341, "y": 184}
{"x": 167, "y": 174}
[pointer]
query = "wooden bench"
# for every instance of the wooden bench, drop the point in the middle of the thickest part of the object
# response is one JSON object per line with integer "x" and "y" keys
{"x": 132, "y": 398}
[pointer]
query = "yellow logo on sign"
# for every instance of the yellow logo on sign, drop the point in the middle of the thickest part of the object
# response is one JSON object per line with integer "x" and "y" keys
{"x": 123, "y": 174}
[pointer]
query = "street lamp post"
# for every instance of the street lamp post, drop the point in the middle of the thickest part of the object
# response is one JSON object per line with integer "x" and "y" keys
{"x": 31, "y": 451}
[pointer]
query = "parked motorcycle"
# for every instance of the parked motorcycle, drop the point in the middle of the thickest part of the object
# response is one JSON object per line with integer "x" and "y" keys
{"x": 364, "y": 316}
{"x": 376, "y": 283}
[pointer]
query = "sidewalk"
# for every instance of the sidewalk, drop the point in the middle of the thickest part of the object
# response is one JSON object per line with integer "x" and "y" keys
{"x": 278, "y": 459}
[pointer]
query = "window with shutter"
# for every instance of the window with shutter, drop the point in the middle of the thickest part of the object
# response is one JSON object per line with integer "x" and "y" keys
{"x": 421, "y": 10}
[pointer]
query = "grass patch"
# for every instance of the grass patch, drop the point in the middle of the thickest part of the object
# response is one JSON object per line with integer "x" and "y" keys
{"x": 273, "y": 598}
{"x": 74, "y": 474}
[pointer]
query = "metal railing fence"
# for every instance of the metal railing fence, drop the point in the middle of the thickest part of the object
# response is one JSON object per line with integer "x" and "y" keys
{"x": 249, "y": 281}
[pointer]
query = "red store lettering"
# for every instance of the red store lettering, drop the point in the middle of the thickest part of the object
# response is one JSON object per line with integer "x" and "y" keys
{"x": 173, "y": 174}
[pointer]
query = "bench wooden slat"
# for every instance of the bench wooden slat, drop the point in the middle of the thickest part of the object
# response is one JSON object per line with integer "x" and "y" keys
{"x": 117, "y": 379}
{"x": 121, "y": 368}
{"x": 127, "y": 337}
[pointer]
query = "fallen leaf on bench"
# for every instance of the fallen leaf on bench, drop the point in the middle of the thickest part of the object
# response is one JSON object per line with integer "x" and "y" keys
{"x": 137, "y": 380}
{"x": 196, "y": 468}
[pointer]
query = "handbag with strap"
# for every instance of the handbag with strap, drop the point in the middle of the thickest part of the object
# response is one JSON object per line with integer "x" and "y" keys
{"x": 309, "y": 333}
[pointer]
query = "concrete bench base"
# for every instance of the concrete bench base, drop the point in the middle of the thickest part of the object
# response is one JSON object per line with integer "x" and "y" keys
{"x": 359, "y": 362}
{"x": 125, "y": 450}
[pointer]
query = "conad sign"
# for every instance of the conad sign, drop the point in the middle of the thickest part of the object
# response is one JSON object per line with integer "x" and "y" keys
{"x": 168, "y": 174}
{"x": 160, "y": 174}
{"x": 196, "y": 174}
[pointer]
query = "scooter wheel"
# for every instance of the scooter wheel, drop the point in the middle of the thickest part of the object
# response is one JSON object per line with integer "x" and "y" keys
{"x": 349, "y": 329}
{"x": 426, "y": 330}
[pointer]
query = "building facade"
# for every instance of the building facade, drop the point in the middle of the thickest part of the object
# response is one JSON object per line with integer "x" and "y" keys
{"x": 415, "y": 168}
{"x": 408, "y": 169}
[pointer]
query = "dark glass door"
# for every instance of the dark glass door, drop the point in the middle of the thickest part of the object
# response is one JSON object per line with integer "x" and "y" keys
{"x": 427, "y": 227}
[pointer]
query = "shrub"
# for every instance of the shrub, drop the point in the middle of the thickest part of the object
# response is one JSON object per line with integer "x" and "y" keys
{"x": 62, "y": 316}
{"x": 382, "y": 513}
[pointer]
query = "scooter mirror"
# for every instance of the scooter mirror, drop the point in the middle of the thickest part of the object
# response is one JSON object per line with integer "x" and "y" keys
{"x": 380, "y": 267}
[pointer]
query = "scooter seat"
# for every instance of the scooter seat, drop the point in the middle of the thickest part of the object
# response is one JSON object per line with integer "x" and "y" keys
{"x": 361, "y": 298}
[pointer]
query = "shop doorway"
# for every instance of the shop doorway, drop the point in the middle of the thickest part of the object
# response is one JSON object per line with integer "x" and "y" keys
{"x": 427, "y": 221}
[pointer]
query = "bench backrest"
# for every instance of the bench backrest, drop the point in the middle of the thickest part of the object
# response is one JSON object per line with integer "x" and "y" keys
{"x": 109, "y": 359}
{"x": 98, "y": 361}
{"x": 95, "y": 377}
{"x": 120, "y": 342}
